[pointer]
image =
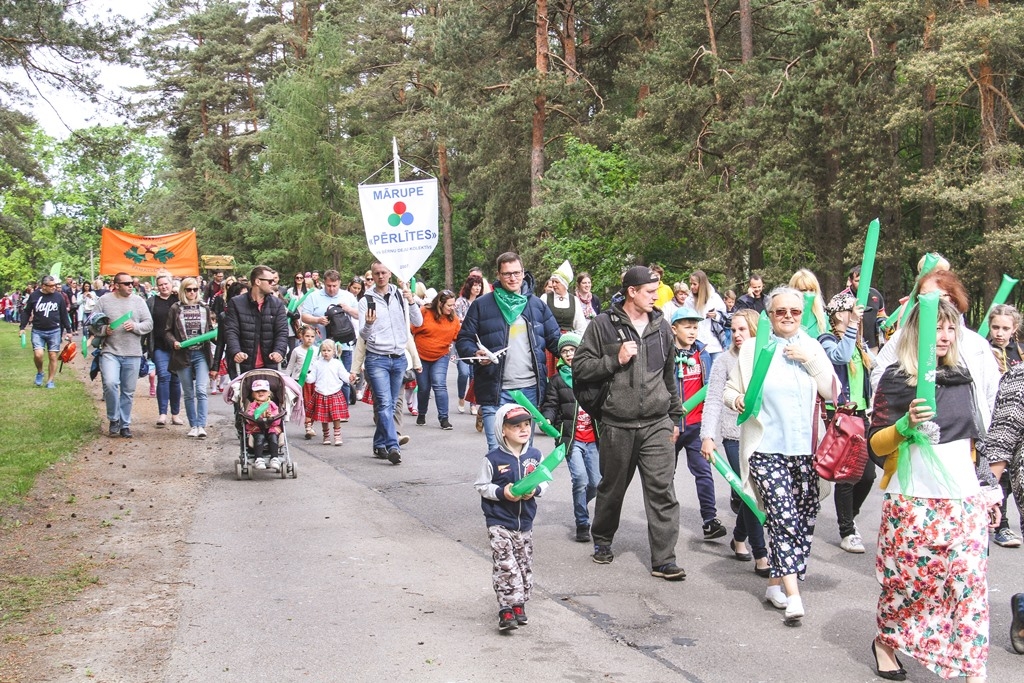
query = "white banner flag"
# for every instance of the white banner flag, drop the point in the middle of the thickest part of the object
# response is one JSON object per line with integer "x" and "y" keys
{"x": 401, "y": 223}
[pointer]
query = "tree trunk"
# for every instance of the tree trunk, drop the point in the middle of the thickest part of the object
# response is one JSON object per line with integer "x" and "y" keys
{"x": 644, "y": 92}
{"x": 446, "y": 215}
{"x": 569, "y": 41}
{"x": 989, "y": 137}
{"x": 539, "y": 104}
{"x": 755, "y": 226}
{"x": 926, "y": 226}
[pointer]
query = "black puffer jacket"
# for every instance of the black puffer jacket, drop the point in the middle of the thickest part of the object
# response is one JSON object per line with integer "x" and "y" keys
{"x": 244, "y": 324}
{"x": 559, "y": 406}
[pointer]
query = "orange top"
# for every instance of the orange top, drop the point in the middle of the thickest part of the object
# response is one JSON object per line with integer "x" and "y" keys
{"x": 434, "y": 337}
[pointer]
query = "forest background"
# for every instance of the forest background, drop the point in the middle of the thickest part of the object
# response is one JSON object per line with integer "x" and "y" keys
{"x": 734, "y": 136}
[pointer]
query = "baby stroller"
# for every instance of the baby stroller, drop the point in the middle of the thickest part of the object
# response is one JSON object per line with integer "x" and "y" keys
{"x": 285, "y": 392}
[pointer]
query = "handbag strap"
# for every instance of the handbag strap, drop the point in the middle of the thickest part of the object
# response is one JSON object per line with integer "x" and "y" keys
{"x": 818, "y": 401}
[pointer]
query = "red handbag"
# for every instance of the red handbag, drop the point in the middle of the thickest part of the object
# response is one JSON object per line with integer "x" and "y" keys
{"x": 842, "y": 453}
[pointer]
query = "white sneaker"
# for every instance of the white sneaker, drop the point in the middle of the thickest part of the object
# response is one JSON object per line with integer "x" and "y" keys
{"x": 201, "y": 432}
{"x": 776, "y": 596}
{"x": 794, "y": 608}
{"x": 852, "y": 544}
{"x": 275, "y": 464}
{"x": 260, "y": 464}
{"x": 194, "y": 432}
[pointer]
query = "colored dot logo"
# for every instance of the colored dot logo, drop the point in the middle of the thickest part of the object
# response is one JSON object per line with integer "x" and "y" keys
{"x": 400, "y": 216}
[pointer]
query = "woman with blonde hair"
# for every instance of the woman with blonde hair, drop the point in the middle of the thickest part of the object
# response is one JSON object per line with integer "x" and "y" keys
{"x": 190, "y": 317}
{"x": 932, "y": 557}
{"x": 807, "y": 282}
{"x": 705, "y": 300}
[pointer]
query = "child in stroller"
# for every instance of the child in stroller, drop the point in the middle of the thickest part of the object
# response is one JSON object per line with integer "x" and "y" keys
{"x": 263, "y": 422}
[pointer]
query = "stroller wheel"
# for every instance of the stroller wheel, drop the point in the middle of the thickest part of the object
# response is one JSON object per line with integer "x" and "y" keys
{"x": 293, "y": 472}
{"x": 283, "y": 469}
{"x": 238, "y": 470}
{"x": 248, "y": 471}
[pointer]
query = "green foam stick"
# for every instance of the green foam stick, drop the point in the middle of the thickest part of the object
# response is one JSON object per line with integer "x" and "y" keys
{"x": 85, "y": 343}
{"x": 305, "y": 365}
{"x": 927, "y": 321}
{"x": 541, "y": 474}
{"x": 809, "y": 321}
{"x": 545, "y": 426}
{"x": 930, "y": 261}
{"x": 867, "y": 264}
{"x": 208, "y": 336}
{"x": 295, "y": 303}
{"x": 55, "y": 270}
{"x": 694, "y": 400}
{"x": 893, "y": 317}
{"x": 764, "y": 351}
{"x": 262, "y": 408}
{"x": 121, "y": 321}
{"x": 24, "y": 343}
{"x": 722, "y": 465}
{"x": 1002, "y": 294}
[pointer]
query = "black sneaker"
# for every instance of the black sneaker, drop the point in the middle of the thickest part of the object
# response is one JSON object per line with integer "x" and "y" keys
{"x": 126, "y": 433}
{"x": 380, "y": 453}
{"x": 445, "y": 424}
{"x": 669, "y": 572}
{"x": 713, "y": 530}
{"x": 583, "y": 533}
{"x": 421, "y": 420}
{"x": 115, "y": 429}
{"x": 507, "y": 620}
{"x": 603, "y": 554}
{"x": 395, "y": 456}
{"x": 520, "y": 612}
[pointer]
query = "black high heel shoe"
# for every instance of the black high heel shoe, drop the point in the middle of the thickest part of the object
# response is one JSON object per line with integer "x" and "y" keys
{"x": 899, "y": 674}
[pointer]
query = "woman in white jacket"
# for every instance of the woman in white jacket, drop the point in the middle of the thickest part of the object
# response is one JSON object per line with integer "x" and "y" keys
{"x": 705, "y": 300}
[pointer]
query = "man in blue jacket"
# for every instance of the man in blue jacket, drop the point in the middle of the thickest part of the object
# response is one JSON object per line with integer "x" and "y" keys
{"x": 511, "y": 318}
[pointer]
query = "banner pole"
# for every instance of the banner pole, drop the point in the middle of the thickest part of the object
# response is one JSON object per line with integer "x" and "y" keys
{"x": 394, "y": 152}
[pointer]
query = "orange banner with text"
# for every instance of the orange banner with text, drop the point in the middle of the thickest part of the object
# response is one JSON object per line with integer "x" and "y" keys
{"x": 144, "y": 256}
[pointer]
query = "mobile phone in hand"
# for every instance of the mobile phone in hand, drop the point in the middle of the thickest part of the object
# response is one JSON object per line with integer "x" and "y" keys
{"x": 371, "y": 305}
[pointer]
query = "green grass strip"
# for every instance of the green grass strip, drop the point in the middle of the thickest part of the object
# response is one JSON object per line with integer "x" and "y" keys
{"x": 20, "y": 595}
{"x": 39, "y": 426}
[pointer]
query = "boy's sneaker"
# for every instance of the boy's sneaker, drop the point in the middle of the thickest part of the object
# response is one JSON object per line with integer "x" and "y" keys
{"x": 260, "y": 464}
{"x": 446, "y": 425}
{"x": 603, "y": 554}
{"x": 583, "y": 533}
{"x": 713, "y": 530}
{"x": 520, "y": 612}
{"x": 852, "y": 544}
{"x": 1006, "y": 538}
{"x": 669, "y": 572}
{"x": 275, "y": 464}
{"x": 421, "y": 420}
{"x": 39, "y": 379}
{"x": 507, "y": 620}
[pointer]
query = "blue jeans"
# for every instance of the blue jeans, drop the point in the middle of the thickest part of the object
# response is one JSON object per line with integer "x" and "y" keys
{"x": 350, "y": 391}
{"x": 434, "y": 376}
{"x": 48, "y": 340}
{"x": 120, "y": 374}
{"x": 465, "y": 373}
{"x": 195, "y": 387}
{"x": 748, "y": 528}
{"x": 168, "y": 388}
{"x": 489, "y": 411}
{"x": 585, "y": 472}
{"x": 700, "y": 468}
{"x": 384, "y": 374}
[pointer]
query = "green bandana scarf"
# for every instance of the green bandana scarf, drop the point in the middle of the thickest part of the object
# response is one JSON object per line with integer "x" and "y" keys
{"x": 509, "y": 303}
{"x": 566, "y": 372}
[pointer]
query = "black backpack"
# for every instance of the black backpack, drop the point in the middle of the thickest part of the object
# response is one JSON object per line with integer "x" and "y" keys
{"x": 339, "y": 325}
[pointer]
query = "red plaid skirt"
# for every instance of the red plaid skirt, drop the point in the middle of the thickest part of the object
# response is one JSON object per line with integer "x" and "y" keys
{"x": 328, "y": 408}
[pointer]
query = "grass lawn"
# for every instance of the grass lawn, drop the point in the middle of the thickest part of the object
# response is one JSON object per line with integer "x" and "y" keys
{"x": 39, "y": 426}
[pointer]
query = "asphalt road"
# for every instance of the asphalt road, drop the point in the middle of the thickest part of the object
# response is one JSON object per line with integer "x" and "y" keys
{"x": 362, "y": 571}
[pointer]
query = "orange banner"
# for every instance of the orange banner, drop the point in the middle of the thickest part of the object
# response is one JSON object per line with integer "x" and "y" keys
{"x": 122, "y": 252}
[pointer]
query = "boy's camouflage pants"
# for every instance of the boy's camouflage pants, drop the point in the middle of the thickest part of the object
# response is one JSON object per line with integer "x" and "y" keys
{"x": 512, "y": 574}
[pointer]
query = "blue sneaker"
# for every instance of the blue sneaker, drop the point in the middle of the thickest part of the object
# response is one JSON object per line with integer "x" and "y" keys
{"x": 49, "y": 385}
{"x": 39, "y": 379}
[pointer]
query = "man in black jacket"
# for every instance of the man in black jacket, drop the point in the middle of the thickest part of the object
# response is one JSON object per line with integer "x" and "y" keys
{"x": 629, "y": 347}
{"x": 256, "y": 325}
{"x": 754, "y": 298}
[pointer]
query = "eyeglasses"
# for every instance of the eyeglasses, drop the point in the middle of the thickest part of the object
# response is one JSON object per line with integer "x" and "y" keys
{"x": 511, "y": 275}
{"x": 191, "y": 289}
{"x": 793, "y": 312}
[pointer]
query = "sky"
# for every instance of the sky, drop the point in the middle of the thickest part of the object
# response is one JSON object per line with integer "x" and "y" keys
{"x": 75, "y": 110}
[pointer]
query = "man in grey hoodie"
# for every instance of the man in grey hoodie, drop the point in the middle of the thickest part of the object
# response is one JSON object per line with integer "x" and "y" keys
{"x": 630, "y": 348}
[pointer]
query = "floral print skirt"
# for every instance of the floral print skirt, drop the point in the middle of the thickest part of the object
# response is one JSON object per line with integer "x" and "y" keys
{"x": 932, "y": 563}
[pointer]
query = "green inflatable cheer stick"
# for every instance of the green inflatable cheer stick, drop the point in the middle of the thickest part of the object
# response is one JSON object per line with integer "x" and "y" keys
{"x": 305, "y": 365}
{"x": 260, "y": 410}
{"x": 55, "y": 269}
{"x": 764, "y": 351}
{"x": 1001, "y": 295}
{"x": 208, "y": 336}
{"x": 295, "y": 303}
{"x": 121, "y": 321}
{"x": 930, "y": 261}
{"x": 545, "y": 426}
{"x": 694, "y": 400}
{"x": 893, "y": 317}
{"x": 24, "y": 343}
{"x": 809, "y": 321}
{"x": 927, "y": 322}
{"x": 722, "y": 465}
{"x": 867, "y": 264}
{"x": 85, "y": 343}
{"x": 541, "y": 474}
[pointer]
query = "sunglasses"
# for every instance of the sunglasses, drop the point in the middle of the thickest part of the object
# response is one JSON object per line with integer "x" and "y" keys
{"x": 123, "y": 283}
{"x": 272, "y": 281}
{"x": 191, "y": 289}
{"x": 793, "y": 312}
